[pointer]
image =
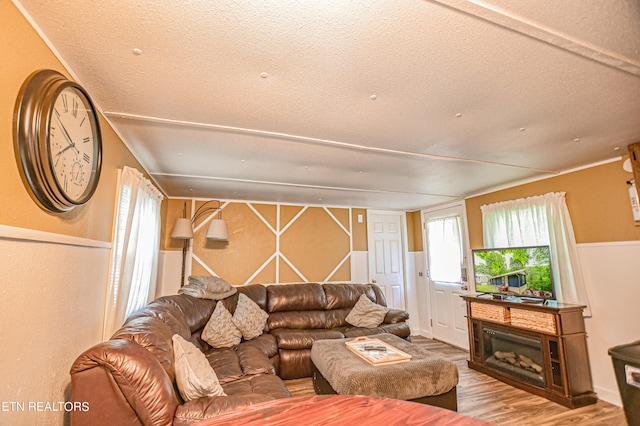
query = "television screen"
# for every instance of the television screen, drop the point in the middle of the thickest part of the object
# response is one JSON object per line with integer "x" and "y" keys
{"x": 517, "y": 271}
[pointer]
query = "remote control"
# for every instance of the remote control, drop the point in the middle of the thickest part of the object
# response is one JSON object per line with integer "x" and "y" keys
{"x": 375, "y": 348}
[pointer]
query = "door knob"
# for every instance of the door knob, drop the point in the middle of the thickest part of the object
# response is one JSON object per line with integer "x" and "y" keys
{"x": 374, "y": 281}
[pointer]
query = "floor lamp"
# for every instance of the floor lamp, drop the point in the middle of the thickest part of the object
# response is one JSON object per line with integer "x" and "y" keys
{"x": 183, "y": 229}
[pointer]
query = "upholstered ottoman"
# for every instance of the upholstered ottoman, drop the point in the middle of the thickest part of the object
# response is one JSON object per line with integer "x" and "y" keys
{"x": 427, "y": 378}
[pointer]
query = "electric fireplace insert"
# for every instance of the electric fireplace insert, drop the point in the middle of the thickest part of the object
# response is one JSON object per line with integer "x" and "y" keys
{"x": 516, "y": 355}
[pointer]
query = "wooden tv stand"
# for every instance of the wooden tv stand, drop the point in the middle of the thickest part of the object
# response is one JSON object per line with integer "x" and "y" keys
{"x": 562, "y": 373}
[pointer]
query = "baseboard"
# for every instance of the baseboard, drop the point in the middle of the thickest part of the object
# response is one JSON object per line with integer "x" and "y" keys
{"x": 612, "y": 397}
{"x": 421, "y": 332}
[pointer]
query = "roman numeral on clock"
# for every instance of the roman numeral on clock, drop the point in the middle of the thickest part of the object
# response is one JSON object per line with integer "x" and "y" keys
{"x": 74, "y": 111}
{"x": 86, "y": 157}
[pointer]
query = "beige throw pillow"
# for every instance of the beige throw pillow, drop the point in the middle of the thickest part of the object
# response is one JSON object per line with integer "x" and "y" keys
{"x": 366, "y": 313}
{"x": 220, "y": 332}
{"x": 194, "y": 376}
{"x": 249, "y": 318}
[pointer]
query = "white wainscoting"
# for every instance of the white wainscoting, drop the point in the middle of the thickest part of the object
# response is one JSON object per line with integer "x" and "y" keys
{"x": 417, "y": 295}
{"x": 169, "y": 272}
{"x": 51, "y": 310}
{"x": 359, "y": 266}
{"x": 612, "y": 275}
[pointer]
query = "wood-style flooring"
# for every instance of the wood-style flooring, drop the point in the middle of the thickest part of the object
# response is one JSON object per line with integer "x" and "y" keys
{"x": 485, "y": 398}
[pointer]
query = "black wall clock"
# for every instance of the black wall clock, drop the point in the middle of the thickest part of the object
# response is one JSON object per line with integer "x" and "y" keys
{"x": 57, "y": 140}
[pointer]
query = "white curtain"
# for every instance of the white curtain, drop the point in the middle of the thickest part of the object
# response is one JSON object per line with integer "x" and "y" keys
{"x": 540, "y": 220}
{"x": 444, "y": 249}
{"x": 136, "y": 243}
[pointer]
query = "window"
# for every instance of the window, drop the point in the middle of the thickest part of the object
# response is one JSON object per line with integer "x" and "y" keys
{"x": 542, "y": 219}
{"x": 136, "y": 243}
{"x": 445, "y": 249}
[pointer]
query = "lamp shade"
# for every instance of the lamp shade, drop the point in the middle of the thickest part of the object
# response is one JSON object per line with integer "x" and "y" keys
{"x": 218, "y": 230}
{"x": 182, "y": 229}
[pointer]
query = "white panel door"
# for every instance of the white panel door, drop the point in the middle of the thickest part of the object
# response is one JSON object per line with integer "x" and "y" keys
{"x": 445, "y": 246}
{"x": 386, "y": 255}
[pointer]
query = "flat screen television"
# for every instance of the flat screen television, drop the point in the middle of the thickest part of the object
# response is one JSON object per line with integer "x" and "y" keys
{"x": 515, "y": 271}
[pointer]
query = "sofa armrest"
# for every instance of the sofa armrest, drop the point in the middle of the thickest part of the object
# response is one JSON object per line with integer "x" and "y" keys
{"x": 395, "y": 316}
{"x": 120, "y": 379}
{"x": 202, "y": 408}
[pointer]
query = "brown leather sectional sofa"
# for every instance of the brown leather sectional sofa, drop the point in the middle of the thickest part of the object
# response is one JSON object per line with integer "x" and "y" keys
{"x": 130, "y": 379}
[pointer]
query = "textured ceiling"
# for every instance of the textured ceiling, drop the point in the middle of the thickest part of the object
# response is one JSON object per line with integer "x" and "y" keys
{"x": 363, "y": 103}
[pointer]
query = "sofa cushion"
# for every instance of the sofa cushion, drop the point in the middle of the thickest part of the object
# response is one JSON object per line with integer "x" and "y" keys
{"x": 220, "y": 331}
{"x": 153, "y": 335}
{"x": 302, "y": 320}
{"x": 195, "y": 312}
{"x": 253, "y": 361}
{"x": 296, "y": 363}
{"x": 225, "y": 363}
{"x": 249, "y": 318}
{"x": 295, "y": 297}
{"x": 170, "y": 315}
{"x": 257, "y": 293}
{"x": 366, "y": 313}
{"x": 337, "y": 318}
{"x": 303, "y": 339}
{"x": 266, "y": 343}
{"x": 346, "y": 295}
{"x": 194, "y": 376}
{"x": 267, "y": 384}
{"x": 398, "y": 329}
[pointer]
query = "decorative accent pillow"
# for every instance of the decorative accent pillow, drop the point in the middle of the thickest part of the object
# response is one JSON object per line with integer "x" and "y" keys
{"x": 366, "y": 313}
{"x": 194, "y": 376}
{"x": 205, "y": 287}
{"x": 220, "y": 332}
{"x": 249, "y": 318}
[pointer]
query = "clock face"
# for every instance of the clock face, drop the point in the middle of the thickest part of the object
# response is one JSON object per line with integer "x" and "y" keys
{"x": 57, "y": 141}
{"x": 71, "y": 142}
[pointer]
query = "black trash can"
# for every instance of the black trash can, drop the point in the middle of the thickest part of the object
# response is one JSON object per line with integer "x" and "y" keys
{"x": 626, "y": 364}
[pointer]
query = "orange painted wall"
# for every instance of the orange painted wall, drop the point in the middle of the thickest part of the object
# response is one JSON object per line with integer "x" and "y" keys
{"x": 23, "y": 52}
{"x": 414, "y": 231}
{"x": 271, "y": 243}
{"x": 597, "y": 199}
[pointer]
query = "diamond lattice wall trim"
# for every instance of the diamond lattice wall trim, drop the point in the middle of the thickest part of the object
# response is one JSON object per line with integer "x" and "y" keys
{"x": 315, "y": 243}
{"x": 271, "y": 243}
{"x": 251, "y": 245}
